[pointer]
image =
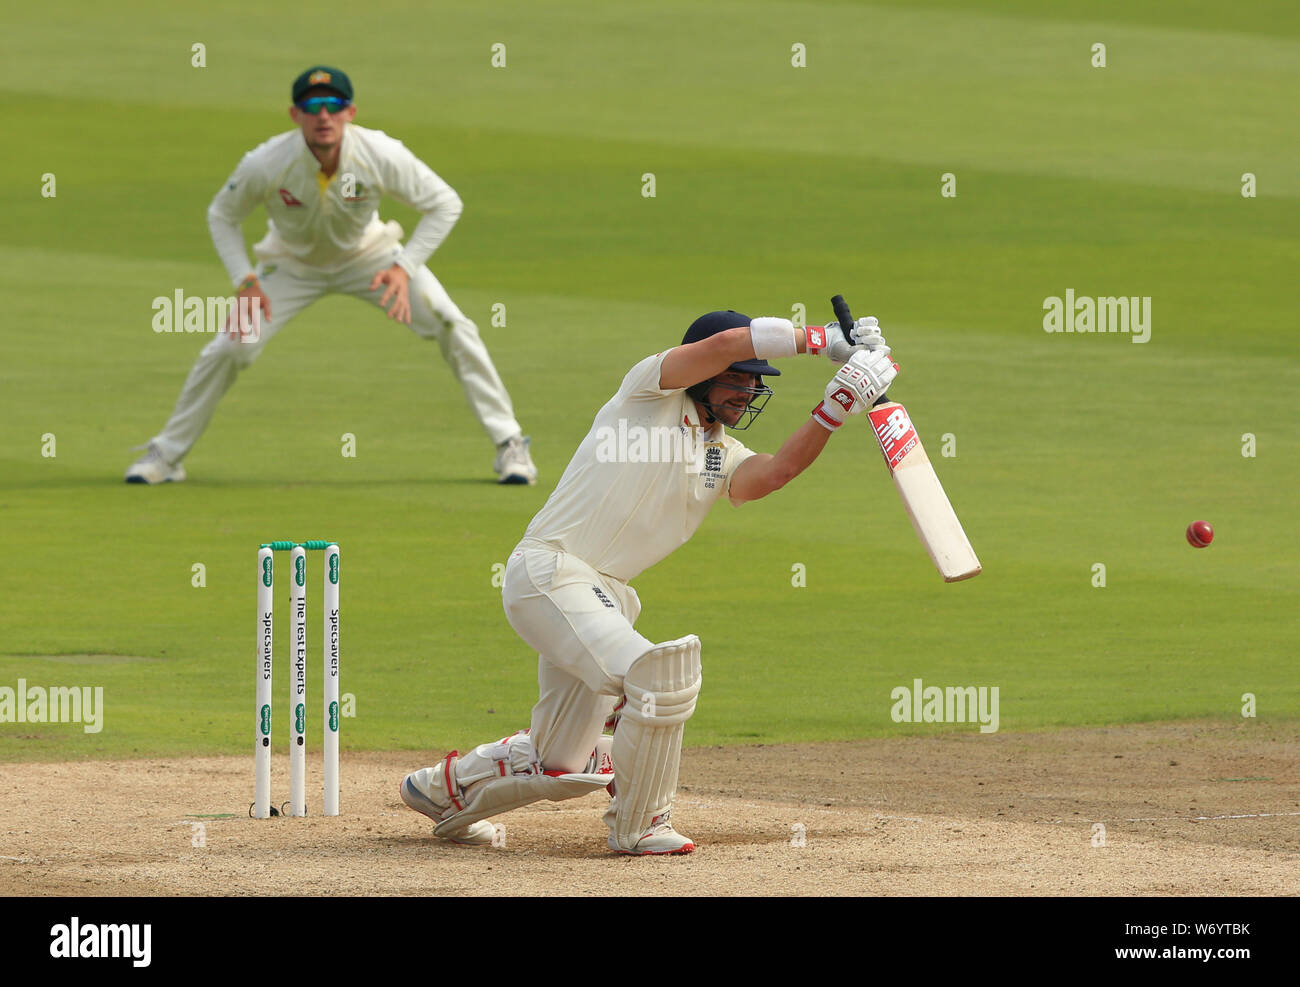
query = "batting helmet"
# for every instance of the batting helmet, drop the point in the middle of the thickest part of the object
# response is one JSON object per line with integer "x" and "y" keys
{"x": 711, "y": 324}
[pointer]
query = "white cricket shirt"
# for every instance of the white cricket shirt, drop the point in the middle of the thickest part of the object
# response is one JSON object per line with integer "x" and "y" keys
{"x": 326, "y": 225}
{"x": 642, "y": 480}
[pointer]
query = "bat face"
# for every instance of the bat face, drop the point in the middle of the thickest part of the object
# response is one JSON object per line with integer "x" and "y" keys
{"x": 922, "y": 494}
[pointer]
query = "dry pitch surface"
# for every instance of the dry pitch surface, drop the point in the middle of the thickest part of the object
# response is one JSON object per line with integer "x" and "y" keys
{"x": 1187, "y": 809}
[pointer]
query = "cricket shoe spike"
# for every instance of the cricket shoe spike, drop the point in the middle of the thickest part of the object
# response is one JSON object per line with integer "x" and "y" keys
{"x": 659, "y": 839}
{"x": 433, "y": 792}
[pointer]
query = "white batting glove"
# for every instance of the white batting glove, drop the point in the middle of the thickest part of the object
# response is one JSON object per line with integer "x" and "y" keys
{"x": 829, "y": 339}
{"x": 818, "y": 338}
{"x": 866, "y": 332}
{"x": 854, "y": 388}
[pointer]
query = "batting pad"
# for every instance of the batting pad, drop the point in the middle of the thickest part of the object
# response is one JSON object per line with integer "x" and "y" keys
{"x": 661, "y": 687}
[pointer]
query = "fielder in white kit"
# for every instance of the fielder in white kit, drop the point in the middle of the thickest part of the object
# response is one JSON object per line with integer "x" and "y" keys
{"x": 656, "y": 459}
{"x": 321, "y": 185}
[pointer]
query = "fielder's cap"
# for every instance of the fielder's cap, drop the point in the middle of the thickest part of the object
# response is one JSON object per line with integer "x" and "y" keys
{"x": 716, "y": 322}
{"x": 323, "y": 75}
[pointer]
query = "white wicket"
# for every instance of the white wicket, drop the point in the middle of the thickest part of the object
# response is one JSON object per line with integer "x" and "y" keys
{"x": 330, "y": 710}
{"x": 330, "y": 678}
{"x": 265, "y": 654}
{"x": 298, "y": 681}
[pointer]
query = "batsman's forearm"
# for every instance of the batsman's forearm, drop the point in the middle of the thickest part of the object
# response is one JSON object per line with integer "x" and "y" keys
{"x": 691, "y": 363}
{"x": 799, "y": 451}
{"x": 765, "y": 473}
{"x": 743, "y": 343}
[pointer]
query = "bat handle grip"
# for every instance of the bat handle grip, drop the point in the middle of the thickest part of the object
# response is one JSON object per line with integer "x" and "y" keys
{"x": 845, "y": 317}
{"x": 842, "y": 313}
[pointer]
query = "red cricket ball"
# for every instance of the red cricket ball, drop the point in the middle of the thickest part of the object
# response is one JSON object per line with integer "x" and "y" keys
{"x": 1199, "y": 534}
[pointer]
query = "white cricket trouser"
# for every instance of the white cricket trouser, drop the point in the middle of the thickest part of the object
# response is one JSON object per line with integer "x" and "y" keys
{"x": 580, "y": 624}
{"x": 291, "y": 287}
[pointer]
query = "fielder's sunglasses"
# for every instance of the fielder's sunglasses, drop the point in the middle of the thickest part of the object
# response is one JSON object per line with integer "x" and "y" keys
{"x": 331, "y": 104}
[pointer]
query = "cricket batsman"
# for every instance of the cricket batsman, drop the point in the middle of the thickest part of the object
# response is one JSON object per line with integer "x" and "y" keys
{"x": 620, "y": 507}
{"x": 321, "y": 185}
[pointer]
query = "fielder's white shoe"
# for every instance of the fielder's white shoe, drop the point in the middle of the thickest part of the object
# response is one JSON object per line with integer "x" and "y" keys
{"x": 659, "y": 837}
{"x": 427, "y": 792}
{"x": 514, "y": 464}
{"x": 151, "y": 468}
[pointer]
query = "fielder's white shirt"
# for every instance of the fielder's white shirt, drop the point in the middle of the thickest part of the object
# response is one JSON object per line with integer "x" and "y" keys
{"x": 323, "y": 225}
{"x": 642, "y": 480}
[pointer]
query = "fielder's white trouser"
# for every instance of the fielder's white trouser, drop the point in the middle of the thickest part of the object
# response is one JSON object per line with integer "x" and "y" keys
{"x": 291, "y": 287}
{"x": 580, "y": 624}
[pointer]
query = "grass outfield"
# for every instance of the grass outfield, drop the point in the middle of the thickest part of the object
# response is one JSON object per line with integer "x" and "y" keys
{"x": 776, "y": 186}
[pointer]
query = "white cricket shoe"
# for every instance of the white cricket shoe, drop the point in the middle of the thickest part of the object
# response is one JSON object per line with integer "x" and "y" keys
{"x": 151, "y": 468}
{"x": 659, "y": 837}
{"x": 514, "y": 464}
{"x": 426, "y": 791}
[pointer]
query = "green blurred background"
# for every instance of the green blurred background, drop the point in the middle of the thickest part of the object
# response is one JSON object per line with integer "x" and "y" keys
{"x": 776, "y": 186}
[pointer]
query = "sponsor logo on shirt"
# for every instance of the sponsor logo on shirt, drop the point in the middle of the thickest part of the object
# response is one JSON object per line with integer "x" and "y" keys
{"x": 287, "y": 198}
{"x": 605, "y": 601}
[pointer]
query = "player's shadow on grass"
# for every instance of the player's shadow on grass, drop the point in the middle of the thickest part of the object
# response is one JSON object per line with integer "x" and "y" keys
{"x": 370, "y": 481}
{"x": 92, "y": 481}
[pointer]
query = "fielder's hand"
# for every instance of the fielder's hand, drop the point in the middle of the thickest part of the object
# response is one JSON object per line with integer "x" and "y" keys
{"x": 251, "y": 307}
{"x": 854, "y": 388}
{"x": 398, "y": 290}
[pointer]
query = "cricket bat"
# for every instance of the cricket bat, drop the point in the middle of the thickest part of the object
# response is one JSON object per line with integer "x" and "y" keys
{"x": 918, "y": 485}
